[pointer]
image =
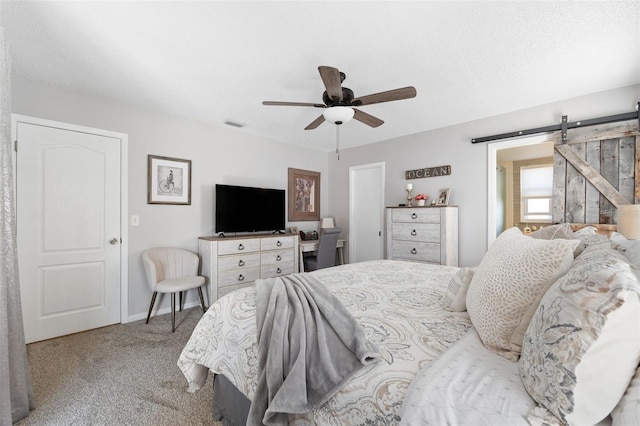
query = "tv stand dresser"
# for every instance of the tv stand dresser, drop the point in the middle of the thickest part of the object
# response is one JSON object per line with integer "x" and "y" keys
{"x": 230, "y": 263}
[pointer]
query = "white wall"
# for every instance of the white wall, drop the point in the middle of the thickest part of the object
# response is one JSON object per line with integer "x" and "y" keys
{"x": 218, "y": 154}
{"x": 452, "y": 145}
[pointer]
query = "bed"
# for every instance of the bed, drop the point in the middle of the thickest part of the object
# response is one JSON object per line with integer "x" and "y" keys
{"x": 520, "y": 339}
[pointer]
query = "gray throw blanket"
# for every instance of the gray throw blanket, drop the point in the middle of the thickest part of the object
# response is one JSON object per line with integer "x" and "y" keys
{"x": 309, "y": 345}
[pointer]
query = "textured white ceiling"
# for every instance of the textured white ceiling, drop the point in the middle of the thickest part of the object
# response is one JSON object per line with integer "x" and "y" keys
{"x": 216, "y": 61}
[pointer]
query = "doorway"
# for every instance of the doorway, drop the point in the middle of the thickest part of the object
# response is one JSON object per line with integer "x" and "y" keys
{"x": 520, "y": 149}
{"x": 366, "y": 212}
{"x": 71, "y": 226}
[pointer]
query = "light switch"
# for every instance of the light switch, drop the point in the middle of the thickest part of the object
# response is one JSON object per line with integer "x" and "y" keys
{"x": 135, "y": 220}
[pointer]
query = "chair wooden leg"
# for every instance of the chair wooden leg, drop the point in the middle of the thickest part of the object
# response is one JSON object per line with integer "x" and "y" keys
{"x": 204, "y": 309}
{"x": 153, "y": 300}
{"x": 173, "y": 312}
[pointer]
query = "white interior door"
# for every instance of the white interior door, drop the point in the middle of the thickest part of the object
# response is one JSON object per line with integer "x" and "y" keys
{"x": 68, "y": 226}
{"x": 366, "y": 212}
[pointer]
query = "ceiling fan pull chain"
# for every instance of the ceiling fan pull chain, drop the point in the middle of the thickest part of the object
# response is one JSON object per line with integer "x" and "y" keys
{"x": 338, "y": 141}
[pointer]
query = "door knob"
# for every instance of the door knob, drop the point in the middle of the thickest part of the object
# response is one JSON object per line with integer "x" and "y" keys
{"x": 113, "y": 241}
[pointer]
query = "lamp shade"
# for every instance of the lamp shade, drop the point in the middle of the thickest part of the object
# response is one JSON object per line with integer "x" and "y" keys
{"x": 338, "y": 114}
{"x": 629, "y": 221}
{"x": 327, "y": 222}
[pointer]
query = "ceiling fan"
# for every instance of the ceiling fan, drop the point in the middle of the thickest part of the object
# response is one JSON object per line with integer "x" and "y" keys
{"x": 339, "y": 102}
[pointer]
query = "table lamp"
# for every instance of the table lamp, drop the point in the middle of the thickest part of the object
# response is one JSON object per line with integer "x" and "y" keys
{"x": 327, "y": 222}
{"x": 629, "y": 221}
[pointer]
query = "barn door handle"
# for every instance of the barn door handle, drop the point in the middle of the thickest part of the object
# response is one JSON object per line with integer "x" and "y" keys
{"x": 414, "y": 251}
{"x": 414, "y": 233}
{"x": 414, "y": 216}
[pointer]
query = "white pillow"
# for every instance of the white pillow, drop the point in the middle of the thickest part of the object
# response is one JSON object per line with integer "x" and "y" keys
{"x": 582, "y": 346}
{"x": 552, "y": 232}
{"x": 456, "y": 295}
{"x": 467, "y": 385}
{"x": 627, "y": 412}
{"x": 629, "y": 248}
{"x": 508, "y": 280}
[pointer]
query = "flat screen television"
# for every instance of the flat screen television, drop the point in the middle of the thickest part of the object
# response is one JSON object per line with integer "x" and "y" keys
{"x": 247, "y": 209}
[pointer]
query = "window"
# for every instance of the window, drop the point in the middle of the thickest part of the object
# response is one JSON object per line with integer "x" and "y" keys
{"x": 536, "y": 192}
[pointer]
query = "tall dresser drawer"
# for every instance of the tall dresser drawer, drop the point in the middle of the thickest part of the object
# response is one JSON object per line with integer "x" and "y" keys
{"x": 425, "y": 215}
{"x": 238, "y": 261}
{"x": 238, "y": 276}
{"x": 238, "y": 246}
{"x": 428, "y": 232}
{"x": 228, "y": 289}
{"x": 416, "y": 251}
{"x": 274, "y": 243}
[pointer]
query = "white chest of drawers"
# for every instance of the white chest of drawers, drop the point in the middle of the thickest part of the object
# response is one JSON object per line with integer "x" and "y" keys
{"x": 423, "y": 234}
{"x": 231, "y": 263}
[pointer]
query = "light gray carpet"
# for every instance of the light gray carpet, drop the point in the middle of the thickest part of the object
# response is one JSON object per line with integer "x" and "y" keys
{"x": 125, "y": 374}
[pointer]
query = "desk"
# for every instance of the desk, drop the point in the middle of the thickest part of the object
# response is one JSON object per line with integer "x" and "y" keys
{"x": 312, "y": 245}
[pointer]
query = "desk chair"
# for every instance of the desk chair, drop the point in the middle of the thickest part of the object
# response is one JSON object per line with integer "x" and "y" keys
{"x": 172, "y": 270}
{"x": 326, "y": 254}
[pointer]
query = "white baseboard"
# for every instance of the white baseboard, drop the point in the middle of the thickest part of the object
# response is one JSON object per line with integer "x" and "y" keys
{"x": 162, "y": 311}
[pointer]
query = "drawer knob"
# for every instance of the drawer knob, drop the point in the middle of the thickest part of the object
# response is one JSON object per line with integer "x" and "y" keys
{"x": 241, "y": 263}
{"x": 278, "y": 257}
{"x": 279, "y": 243}
{"x": 240, "y": 247}
{"x": 414, "y": 216}
{"x": 279, "y": 271}
{"x": 414, "y": 251}
{"x": 414, "y": 233}
{"x": 240, "y": 277}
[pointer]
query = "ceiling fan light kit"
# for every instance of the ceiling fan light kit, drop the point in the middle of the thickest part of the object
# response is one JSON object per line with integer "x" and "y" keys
{"x": 338, "y": 114}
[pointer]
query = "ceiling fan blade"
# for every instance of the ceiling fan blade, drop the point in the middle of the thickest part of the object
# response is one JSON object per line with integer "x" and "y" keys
{"x": 331, "y": 79}
{"x": 367, "y": 119}
{"x": 315, "y": 123}
{"x": 293, "y": 104}
{"x": 390, "y": 95}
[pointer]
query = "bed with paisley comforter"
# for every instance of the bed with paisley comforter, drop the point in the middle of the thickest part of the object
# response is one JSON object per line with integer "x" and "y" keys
{"x": 398, "y": 304}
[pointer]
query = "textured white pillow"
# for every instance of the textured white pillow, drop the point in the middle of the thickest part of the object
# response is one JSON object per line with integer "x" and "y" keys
{"x": 553, "y": 232}
{"x": 512, "y": 273}
{"x": 456, "y": 295}
{"x": 583, "y": 344}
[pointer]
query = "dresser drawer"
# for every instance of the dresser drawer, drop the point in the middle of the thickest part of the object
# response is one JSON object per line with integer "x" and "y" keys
{"x": 238, "y": 246}
{"x": 417, "y": 251}
{"x": 276, "y": 257}
{"x": 273, "y": 243}
{"x": 270, "y": 271}
{"x": 228, "y": 289}
{"x": 422, "y": 215}
{"x": 427, "y": 232}
{"x": 238, "y": 276}
{"x": 238, "y": 262}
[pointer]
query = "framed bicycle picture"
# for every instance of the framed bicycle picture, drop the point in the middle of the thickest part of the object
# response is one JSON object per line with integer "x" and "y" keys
{"x": 168, "y": 180}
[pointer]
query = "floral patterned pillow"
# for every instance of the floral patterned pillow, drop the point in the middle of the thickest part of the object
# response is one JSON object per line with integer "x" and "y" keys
{"x": 508, "y": 280}
{"x": 583, "y": 343}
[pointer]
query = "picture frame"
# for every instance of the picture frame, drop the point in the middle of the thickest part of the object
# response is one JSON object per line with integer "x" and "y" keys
{"x": 303, "y": 195}
{"x": 442, "y": 199}
{"x": 168, "y": 180}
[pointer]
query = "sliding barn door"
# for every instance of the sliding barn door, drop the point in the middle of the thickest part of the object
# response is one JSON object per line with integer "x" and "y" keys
{"x": 595, "y": 171}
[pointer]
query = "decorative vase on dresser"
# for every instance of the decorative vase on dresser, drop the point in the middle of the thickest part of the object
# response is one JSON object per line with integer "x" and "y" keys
{"x": 230, "y": 263}
{"x": 423, "y": 234}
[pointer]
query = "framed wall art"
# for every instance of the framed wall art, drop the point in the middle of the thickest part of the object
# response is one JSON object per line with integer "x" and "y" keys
{"x": 168, "y": 180}
{"x": 442, "y": 199}
{"x": 304, "y": 195}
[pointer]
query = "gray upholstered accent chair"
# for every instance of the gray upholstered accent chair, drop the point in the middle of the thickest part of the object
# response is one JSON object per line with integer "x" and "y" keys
{"x": 172, "y": 270}
{"x": 326, "y": 254}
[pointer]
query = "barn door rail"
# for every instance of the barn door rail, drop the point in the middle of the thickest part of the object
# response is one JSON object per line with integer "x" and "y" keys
{"x": 565, "y": 125}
